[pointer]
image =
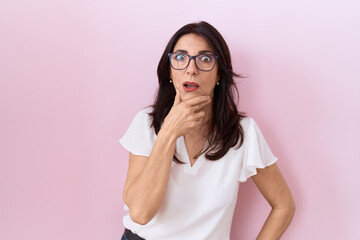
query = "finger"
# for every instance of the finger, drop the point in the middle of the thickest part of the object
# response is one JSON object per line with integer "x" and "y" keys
{"x": 199, "y": 115}
{"x": 177, "y": 97}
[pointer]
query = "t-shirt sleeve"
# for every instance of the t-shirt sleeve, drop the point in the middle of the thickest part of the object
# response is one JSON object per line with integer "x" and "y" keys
{"x": 139, "y": 138}
{"x": 256, "y": 152}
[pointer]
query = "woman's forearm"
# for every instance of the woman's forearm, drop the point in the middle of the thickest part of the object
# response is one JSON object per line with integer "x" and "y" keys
{"x": 145, "y": 194}
{"x": 276, "y": 223}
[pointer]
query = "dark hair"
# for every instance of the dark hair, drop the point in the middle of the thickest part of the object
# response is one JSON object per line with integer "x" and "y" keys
{"x": 225, "y": 129}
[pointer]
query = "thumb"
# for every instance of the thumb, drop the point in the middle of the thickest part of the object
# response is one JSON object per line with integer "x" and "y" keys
{"x": 177, "y": 97}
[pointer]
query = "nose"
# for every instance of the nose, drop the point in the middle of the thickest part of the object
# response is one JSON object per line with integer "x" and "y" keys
{"x": 192, "y": 69}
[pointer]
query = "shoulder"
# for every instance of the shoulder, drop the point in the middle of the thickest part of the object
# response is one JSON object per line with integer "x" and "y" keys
{"x": 144, "y": 113}
{"x": 140, "y": 137}
{"x": 247, "y": 123}
{"x": 143, "y": 116}
{"x": 142, "y": 121}
{"x": 251, "y": 129}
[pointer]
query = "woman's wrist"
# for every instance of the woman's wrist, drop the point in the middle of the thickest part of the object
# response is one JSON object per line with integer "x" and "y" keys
{"x": 168, "y": 134}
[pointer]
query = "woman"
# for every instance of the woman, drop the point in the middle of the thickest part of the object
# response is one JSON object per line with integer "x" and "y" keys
{"x": 190, "y": 150}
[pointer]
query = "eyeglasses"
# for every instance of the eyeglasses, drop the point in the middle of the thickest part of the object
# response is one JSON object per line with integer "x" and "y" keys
{"x": 204, "y": 62}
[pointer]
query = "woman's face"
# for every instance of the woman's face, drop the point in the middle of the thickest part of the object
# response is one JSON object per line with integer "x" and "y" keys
{"x": 193, "y": 44}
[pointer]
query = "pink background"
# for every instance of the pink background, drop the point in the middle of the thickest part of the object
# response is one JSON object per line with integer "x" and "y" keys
{"x": 74, "y": 73}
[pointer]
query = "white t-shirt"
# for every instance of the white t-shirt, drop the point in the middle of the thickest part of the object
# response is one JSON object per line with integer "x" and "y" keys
{"x": 200, "y": 200}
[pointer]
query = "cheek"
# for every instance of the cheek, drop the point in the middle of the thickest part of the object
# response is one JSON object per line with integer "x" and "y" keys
{"x": 210, "y": 85}
{"x": 176, "y": 79}
{"x": 211, "y": 80}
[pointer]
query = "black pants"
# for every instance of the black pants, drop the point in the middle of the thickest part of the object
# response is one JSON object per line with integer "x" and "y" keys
{"x": 129, "y": 235}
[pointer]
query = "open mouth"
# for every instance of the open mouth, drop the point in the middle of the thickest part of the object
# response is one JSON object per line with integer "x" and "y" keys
{"x": 190, "y": 86}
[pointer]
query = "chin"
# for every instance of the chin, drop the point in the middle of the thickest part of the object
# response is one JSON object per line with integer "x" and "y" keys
{"x": 187, "y": 95}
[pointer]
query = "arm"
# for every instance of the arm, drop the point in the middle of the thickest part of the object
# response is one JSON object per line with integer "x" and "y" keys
{"x": 273, "y": 187}
{"x": 147, "y": 177}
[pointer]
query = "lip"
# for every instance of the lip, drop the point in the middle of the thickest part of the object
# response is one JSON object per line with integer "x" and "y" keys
{"x": 190, "y": 89}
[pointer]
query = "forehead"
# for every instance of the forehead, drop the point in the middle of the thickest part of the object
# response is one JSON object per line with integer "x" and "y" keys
{"x": 192, "y": 43}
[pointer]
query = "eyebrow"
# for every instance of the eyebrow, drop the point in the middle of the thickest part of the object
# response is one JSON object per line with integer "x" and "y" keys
{"x": 200, "y": 52}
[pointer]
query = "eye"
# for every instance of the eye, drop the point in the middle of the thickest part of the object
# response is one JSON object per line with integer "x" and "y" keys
{"x": 206, "y": 58}
{"x": 179, "y": 57}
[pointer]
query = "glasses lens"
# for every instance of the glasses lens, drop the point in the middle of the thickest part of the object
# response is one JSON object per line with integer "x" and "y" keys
{"x": 179, "y": 60}
{"x": 205, "y": 62}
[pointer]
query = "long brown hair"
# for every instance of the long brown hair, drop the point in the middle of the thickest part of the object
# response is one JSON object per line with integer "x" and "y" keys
{"x": 225, "y": 129}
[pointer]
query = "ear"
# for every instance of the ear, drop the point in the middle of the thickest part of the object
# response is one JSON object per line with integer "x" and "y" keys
{"x": 218, "y": 77}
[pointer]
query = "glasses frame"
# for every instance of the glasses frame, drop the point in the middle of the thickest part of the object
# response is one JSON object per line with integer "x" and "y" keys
{"x": 192, "y": 57}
